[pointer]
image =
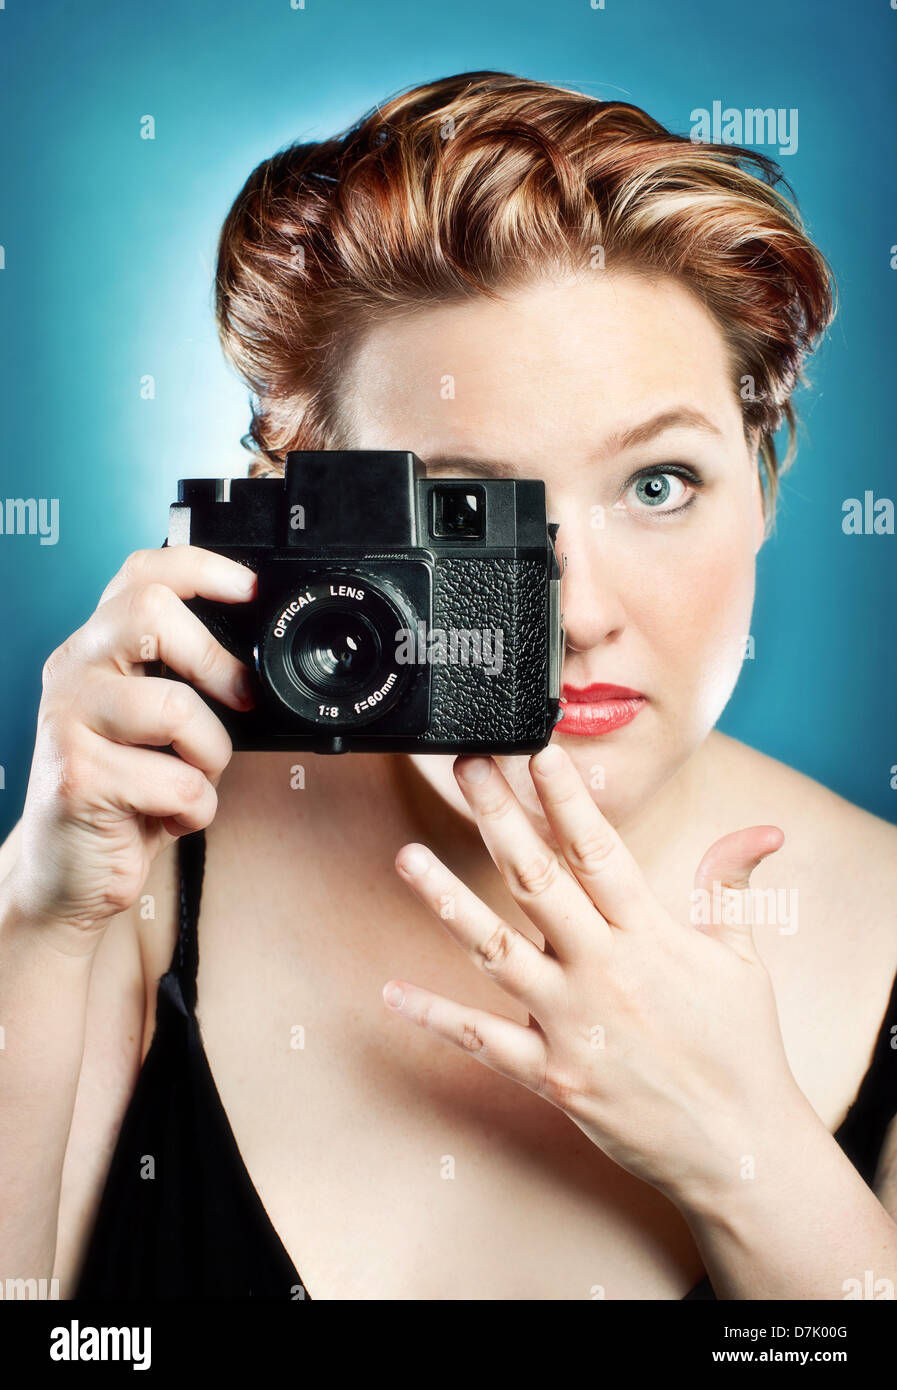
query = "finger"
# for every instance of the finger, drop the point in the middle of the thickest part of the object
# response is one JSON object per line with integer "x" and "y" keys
{"x": 596, "y": 855}
{"x": 158, "y": 712}
{"x": 512, "y": 1049}
{"x": 505, "y": 955}
{"x": 95, "y": 775}
{"x": 534, "y": 874}
{"x": 732, "y": 859}
{"x": 152, "y": 623}
{"x": 722, "y": 901}
{"x": 189, "y": 570}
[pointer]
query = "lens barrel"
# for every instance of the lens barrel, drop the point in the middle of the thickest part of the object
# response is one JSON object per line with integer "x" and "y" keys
{"x": 329, "y": 652}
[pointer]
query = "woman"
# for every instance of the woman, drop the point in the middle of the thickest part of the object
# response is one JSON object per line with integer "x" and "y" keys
{"x": 626, "y": 1076}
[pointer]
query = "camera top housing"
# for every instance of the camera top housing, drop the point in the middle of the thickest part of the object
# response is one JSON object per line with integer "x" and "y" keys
{"x": 395, "y": 612}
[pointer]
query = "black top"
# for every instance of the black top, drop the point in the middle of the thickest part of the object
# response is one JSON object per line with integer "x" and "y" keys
{"x": 180, "y": 1217}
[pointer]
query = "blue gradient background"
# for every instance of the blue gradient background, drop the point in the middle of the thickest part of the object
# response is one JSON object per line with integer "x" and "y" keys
{"x": 110, "y": 241}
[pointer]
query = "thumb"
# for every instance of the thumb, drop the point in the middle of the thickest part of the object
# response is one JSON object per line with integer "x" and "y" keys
{"x": 722, "y": 901}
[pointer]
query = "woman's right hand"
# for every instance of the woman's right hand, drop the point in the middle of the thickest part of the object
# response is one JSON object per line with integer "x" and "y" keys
{"x": 103, "y": 798}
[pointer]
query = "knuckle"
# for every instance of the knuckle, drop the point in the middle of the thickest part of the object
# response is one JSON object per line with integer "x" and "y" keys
{"x": 49, "y": 721}
{"x": 470, "y": 1038}
{"x": 565, "y": 795}
{"x": 50, "y": 667}
{"x": 130, "y": 573}
{"x": 190, "y": 783}
{"x": 494, "y": 953}
{"x": 560, "y": 1088}
{"x": 208, "y": 815}
{"x": 73, "y": 772}
{"x": 117, "y": 899}
{"x": 225, "y": 752}
{"x": 123, "y": 887}
{"x": 590, "y": 850}
{"x": 55, "y": 664}
{"x": 203, "y": 563}
{"x": 497, "y": 807}
{"x": 223, "y": 748}
{"x": 148, "y": 606}
{"x": 134, "y": 568}
{"x": 208, "y": 661}
{"x": 205, "y": 811}
{"x": 178, "y": 706}
{"x": 536, "y": 876}
{"x": 56, "y": 725}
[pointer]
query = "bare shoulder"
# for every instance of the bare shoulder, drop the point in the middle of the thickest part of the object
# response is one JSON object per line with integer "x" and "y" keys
{"x": 825, "y": 917}
{"x": 841, "y": 845}
{"x": 835, "y": 877}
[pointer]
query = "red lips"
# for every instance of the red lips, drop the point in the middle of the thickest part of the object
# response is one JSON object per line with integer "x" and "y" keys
{"x": 598, "y": 709}
{"x": 594, "y": 694}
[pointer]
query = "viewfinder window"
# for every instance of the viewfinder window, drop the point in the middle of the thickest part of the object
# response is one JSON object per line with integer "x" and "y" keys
{"x": 459, "y": 513}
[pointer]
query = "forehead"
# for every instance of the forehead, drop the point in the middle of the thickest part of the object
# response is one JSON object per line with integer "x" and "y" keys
{"x": 558, "y": 358}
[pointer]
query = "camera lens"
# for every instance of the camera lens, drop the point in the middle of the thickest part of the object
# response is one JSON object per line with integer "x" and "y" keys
{"x": 336, "y": 652}
{"x": 459, "y": 513}
{"x": 330, "y": 652}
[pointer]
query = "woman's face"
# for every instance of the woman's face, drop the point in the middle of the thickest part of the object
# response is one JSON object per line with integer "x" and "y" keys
{"x": 615, "y": 388}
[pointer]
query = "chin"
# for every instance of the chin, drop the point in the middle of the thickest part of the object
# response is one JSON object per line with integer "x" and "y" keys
{"x": 619, "y": 781}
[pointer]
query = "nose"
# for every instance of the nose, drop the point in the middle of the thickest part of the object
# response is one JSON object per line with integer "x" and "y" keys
{"x": 591, "y": 595}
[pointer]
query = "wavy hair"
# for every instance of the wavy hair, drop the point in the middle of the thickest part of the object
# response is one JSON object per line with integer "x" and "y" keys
{"x": 481, "y": 182}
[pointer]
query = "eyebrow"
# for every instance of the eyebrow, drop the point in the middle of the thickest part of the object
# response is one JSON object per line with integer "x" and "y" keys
{"x": 683, "y": 417}
{"x": 473, "y": 467}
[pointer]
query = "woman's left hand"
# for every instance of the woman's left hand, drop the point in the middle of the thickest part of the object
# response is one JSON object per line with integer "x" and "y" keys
{"x": 659, "y": 1039}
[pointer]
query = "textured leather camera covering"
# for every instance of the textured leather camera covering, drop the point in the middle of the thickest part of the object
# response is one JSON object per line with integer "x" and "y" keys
{"x": 511, "y": 595}
{"x": 467, "y": 704}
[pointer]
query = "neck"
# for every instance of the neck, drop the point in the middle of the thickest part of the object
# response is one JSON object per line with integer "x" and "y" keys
{"x": 654, "y": 831}
{"x": 657, "y": 827}
{"x": 375, "y": 803}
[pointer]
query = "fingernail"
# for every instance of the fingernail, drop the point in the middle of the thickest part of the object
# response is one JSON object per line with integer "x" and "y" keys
{"x": 243, "y": 689}
{"x": 548, "y": 759}
{"x": 474, "y": 769}
{"x": 393, "y": 996}
{"x": 244, "y": 581}
{"x": 415, "y": 860}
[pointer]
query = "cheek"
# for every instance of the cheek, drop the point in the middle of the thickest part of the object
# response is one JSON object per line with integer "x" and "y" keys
{"x": 702, "y": 645}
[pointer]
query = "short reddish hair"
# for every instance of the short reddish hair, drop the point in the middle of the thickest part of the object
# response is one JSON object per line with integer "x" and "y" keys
{"x": 480, "y": 182}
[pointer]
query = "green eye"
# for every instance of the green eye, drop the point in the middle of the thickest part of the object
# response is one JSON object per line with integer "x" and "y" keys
{"x": 660, "y": 491}
{"x": 654, "y": 490}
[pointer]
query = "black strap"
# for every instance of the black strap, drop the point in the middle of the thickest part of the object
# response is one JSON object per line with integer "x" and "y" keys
{"x": 191, "y": 862}
{"x": 862, "y": 1131}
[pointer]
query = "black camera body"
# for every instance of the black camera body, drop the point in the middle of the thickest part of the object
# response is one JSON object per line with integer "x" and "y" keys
{"x": 395, "y": 612}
